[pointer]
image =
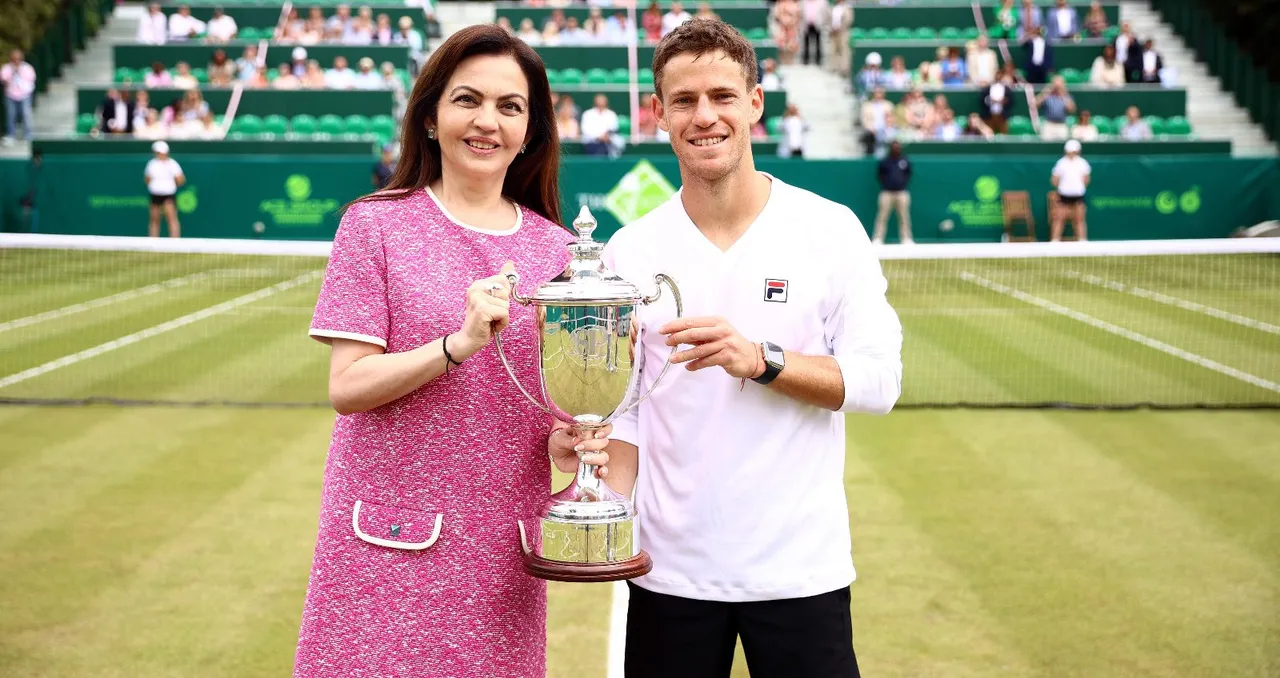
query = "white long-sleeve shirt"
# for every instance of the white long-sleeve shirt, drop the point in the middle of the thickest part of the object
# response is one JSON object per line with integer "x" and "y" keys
{"x": 153, "y": 29}
{"x": 740, "y": 491}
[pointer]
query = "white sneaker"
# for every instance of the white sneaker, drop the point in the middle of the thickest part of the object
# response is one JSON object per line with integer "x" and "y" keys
{"x": 908, "y": 241}
{"x": 6, "y": 141}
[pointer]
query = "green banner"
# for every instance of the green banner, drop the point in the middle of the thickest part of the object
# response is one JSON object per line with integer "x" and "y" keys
{"x": 954, "y": 199}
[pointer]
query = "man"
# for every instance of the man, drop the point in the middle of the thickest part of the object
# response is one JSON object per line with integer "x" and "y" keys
{"x": 895, "y": 173}
{"x": 1070, "y": 177}
{"x": 383, "y": 169}
{"x": 1063, "y": 22}
{"x": 740, "y": 454}
{"x": 1039, "y": 54}
{"x": 598, "y": 125}
{"x": 18, "y": 80}
{"x": 163, "y": 175}
{"x": 841, "y": 23}
{"x": 1055, "y": 104}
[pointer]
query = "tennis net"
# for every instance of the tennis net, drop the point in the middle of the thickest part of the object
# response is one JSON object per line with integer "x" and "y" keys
{"x": 1165, "y": 324}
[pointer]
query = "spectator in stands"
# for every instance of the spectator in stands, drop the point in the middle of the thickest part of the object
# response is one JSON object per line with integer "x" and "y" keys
{"x": 183, "y": 78}
{"x": 141, "y": 109}
{"x": 337, "y": 26}
{"x": 954, "y": 73}
{"x": 340, "y": 76}
{"x": 1095, "y": 22}
{"x": 770, "y": 80}
{"x": 997, "y": 101}
{"x": 183, "y": 26}
{"x": 18, "y": 79}
{"x": 786, "y": 30}
{"x": 205, "y": 127}
{"x": 915, "y": 119}
{"x": 528, "y": 33}
{"x": 567, "y": 120}
{"x": 870, "y": 77}
{"x": 313, "y": 30}
{"x": 794, "y": 130}
{"x": 976, "y": 128}
{"x": 383, "y": 33}
{"x": 383, "y": 169}
{"x": 247, "y": 64}
{"x": 648, "y": 123}
{"x": 1128, "y": 51}
{"x": 928, "y": 74}
{"x": 1029, "y": 18}
{"x": 294, "y": 26}
{"x": 705, "y": 11}
{"x": 1007, "y": 26}
{"x": 115, "y": 114}
{"x": 158, "y": 77}
{"x": 815, "y": 20}
{"x": 894, "y": 172}
{"x": 163, "y": 176}
{"x": 221, "y": 70}
{"x": 1070, "y": 177}
{"x": 599, "y": 125}
{"x": 651, "y": 22}
{"x": 982, "y": 63}
{"x": 841, "y": 23}
{"x": 594, "y": 27}
{"x": 391, "y": 80}
{"x": 1084, "y": 129}
{"x": 412, "y": 38}
{"x": 366, "y": 77}
{"x": 897, "y": 77}
{"x": 151, "y": 127}
{"x": 314, "y": 77}
{"x": 1055, "y": 104}
{"x": 172, "y": 113}
{"x": 153, "y": 29}
{"x": 1135, "y": 128}
{"x": 876, "y": 116}
{"x": 360, "y": 32}
{"x": 1107, "y": 71}
{"x": 221, "y": 28}
{"x": 194, "y": 106}
{"x": 556, "y": 19}
{"x": 573, "y": 34}
{"x": 505, "y": 24}
{"x": 1063, "y": 22}
{"x": 674, "y": 17}
{"x": 1039, "y": 57}
{"x": 550, "y": 34}
{"x": 1151, "y": 63}
{"x": 285, "y": 79}
{"x": 618, "y": 28}
{"x": 947, "y": 129}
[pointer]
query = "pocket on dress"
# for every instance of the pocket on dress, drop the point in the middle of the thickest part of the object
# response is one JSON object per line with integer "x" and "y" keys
{"x": 395, "y": 527}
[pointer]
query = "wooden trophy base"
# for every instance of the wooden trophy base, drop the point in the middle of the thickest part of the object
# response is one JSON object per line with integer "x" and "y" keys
{"x": 555, "y": 570}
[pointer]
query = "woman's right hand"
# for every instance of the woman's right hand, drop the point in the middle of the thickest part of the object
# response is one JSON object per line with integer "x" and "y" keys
{"x": 488, "y": 311}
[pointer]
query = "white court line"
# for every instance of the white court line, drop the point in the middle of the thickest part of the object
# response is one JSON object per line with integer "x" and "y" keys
{"x": 1122, "y": 332}
{"x": 156, "y": 330}
{"x": 618, "y": 629}
{"x": 967, "y": 312}
{"x": 101, "y": 301}
{"x": 1175, "y": 301}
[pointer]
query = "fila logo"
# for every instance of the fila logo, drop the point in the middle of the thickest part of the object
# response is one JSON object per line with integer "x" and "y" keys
{"x": 775, "y": 290}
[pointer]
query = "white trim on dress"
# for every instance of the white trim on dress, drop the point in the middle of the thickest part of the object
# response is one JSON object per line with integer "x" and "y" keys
{"x": 487, "y": 231}
{"x": 403, "y": 545}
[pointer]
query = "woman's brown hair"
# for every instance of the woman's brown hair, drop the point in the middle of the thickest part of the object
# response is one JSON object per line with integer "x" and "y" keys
{"x": 533, "y": 178}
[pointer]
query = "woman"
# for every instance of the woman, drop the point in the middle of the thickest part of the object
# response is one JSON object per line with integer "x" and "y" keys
{"x": 651, "y": 22}
{"x": 163, "y": 177}
{"x": 432, "y": 430}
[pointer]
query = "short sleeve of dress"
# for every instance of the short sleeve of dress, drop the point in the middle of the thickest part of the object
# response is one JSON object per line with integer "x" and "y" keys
{"x": 353, "y": 299}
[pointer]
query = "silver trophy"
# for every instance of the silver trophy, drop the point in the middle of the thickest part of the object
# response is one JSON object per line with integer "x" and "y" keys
{"x": 590, "y": 366}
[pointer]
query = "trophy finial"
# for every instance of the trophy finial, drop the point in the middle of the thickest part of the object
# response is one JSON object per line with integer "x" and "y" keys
{"x": 585, "y": 224}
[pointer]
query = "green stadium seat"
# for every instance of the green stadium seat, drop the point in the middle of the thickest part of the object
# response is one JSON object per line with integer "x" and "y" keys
{"x": 1103, "y": 123}
{"x": 878, "y": 34}
{"x": 125, "y": 73}
{"x": 1071, "y": 121}
{"x": 1178, "y": 126}
{"x": 925, "y": 33}
{"x": 357, "y": 124}
{"x": 624, "y": 125}
{"x": 900, "y": 34}
{"x": 275, "y": 124}
{"x": 597, "y": 76}
{"x": 250, "y": 33}
{"x": 950, "y": 34}
{"x": 1020, "y": 126}
{"x": 619, "y": 76}
{"x": 572, "y": 77}
{"x": 304, "y": 124}
{"x": 553, "y": 77}
{"x": 85, "y": 123}
{"x": 1071, "y": 75}
{"x": 857, "y": 33}
{"x": 1110, "y": 33}
{"x": 247, "y": 124}
{"x": 645, "y": 76}
{"x": 774, "y": 126}
{"x": 757, "y": 34}
{"x": 1156, "y": 123}
{"x": 332, "y": 124}
{"x": 382, "y": 125}
{"x": 201, "y": 75}
{"x": 971, "y": 33}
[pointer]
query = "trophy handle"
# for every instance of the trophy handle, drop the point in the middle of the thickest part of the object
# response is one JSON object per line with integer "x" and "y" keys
{"x": 659, "y": 279}
{"x": 497, "y": 340}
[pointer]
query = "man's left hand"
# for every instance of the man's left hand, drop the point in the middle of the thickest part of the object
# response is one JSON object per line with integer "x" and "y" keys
{"x": 714, "y": 343}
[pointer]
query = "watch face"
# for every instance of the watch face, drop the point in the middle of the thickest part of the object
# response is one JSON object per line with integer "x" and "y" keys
{"x": 773, "y": 354}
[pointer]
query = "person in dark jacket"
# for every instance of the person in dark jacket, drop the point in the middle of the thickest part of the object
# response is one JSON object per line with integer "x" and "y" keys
{"x": 1039, "y": 57}
{"x": 895, "y": 174}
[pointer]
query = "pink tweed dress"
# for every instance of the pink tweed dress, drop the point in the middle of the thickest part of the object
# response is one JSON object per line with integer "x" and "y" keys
{"x": 378, "y": 604}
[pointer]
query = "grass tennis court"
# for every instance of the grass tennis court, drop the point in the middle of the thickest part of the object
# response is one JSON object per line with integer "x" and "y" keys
{"x": 173, "y": 540}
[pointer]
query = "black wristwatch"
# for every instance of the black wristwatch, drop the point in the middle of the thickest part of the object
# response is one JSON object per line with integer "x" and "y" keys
{"x": 773, "y": 362}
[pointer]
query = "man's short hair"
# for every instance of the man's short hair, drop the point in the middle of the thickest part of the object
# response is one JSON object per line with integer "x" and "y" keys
{"x": 705, "y": 36}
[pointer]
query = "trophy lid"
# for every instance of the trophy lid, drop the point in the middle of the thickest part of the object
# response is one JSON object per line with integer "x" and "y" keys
{"x": 586, "y": 280}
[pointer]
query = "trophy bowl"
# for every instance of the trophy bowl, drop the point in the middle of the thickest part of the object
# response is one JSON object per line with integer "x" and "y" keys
{"x": 589, "y": 367}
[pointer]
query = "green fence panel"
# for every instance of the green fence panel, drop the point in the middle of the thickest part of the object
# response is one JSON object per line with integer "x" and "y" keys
{"x": 1110, "y": 147}
{"x": 743, "y": 16}
{"x": 609, "y": 57}
{"x": 1150, "y": 99}
{"x": 267, "y": 15}
{"x": 955, "y": 199}
{"x": 198, "y": 55}
{"x": 223, "y": 148}
{"x": 663, "y": 148}
{"x": 954, "y": 14}
{"x": 1077, "y": 55}
{"x": 262, "y": 102}
{"x": 775, "y": 103}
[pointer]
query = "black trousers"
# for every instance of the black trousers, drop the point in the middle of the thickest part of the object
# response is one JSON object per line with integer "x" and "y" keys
{"x": 674, "y": 637}
{"x": 811, "y": 33}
